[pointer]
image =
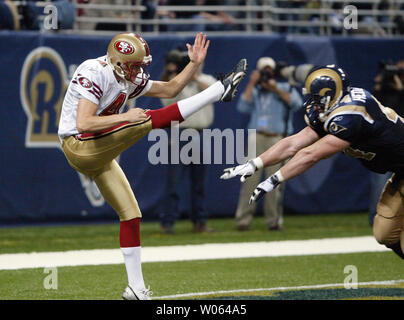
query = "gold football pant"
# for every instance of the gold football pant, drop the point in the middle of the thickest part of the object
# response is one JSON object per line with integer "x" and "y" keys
{"x": 94, "y": 155}
{"x": 388, "y": 226}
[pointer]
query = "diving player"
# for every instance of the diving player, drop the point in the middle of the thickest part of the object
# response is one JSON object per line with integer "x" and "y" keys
{"x": 348, "y": 119}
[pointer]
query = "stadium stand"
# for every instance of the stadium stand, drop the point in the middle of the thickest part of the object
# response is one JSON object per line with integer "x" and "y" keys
{"x": 322, "y": 17}
{"x": 9, "y": 16}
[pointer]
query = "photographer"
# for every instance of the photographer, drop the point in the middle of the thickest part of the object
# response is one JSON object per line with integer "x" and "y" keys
{"x": 270, "y": 104}
{"x": 388, "y": 86}
{"x": 175, "y": 62}
{"x": 389, "y": 90}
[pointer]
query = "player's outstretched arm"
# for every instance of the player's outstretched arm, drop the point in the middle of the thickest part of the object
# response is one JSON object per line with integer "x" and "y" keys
{"x": 279, "y": 152}
{"x": 87, "y": 121}
{"x": 244, "y": 170}
{"x": 197, "y": 54}
{"x": 301, "y": 162}
{"x": 289, "y": 146}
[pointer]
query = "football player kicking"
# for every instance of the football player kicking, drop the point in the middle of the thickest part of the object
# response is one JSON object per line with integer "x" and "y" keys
{"x": 342, "y": 118}
{"x": 94, "y": 130}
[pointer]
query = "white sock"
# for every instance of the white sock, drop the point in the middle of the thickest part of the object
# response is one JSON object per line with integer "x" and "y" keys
{"x": 134, "y": 267}
{"x": 192, "y": 104}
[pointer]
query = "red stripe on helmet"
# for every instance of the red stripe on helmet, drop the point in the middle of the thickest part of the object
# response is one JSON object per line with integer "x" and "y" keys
{"x": 146, "y": 46}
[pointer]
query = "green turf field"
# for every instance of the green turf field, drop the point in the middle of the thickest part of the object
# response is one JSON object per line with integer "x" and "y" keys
{"x": 249, "y": 278}
{"x": 78, "y": 237}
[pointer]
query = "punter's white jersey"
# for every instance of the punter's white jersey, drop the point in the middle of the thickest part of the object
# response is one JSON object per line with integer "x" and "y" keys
{"x": 94, "y": 80}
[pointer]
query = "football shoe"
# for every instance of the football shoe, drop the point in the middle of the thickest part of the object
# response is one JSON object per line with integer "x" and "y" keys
{"x": 132, "y": 294}
{"x": 231, "y": 80}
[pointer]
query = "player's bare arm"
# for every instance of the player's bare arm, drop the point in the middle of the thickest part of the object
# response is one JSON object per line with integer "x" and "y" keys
{"x": 302, "y": 161}
{"x": 88, "y": 121}
{"x": 309, "y": 156}
{"x": 197, "y": 54}
{"x": 279, "y": 152}
{"x": 289, "y": 146}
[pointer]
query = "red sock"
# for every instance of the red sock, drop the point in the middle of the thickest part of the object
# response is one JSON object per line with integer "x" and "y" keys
{"x": 161, "y": 118}
{"x": 129, "y": 235}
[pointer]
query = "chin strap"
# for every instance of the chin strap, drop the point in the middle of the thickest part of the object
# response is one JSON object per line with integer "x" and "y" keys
{"x": 147, "y": 60}
{"x": 328, "y": 109}
{"x": 323, "y": 115}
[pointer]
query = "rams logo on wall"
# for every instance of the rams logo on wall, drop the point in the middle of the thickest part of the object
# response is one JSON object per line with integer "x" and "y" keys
{"x": 43, "y": 85}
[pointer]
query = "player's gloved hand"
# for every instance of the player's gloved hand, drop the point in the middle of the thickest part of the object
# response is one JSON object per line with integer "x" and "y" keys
{"x": 244, "y": 170}
{"x": 266, "y": 186}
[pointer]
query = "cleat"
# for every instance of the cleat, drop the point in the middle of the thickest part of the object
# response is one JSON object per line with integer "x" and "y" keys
{"x": 131, "y": 294}
{"x": 232, "y": 80}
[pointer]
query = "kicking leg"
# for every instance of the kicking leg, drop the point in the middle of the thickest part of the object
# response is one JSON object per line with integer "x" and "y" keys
{"x": 223, "y": 90}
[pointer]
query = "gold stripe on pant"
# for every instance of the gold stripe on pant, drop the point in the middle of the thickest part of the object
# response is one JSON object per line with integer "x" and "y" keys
{"x": 388, "y": 226}
{"x": 96, "y": 158}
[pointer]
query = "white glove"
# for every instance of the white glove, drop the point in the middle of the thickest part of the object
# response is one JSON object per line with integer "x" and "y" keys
{"x": 244, "y": 170}
{"x": 266, "y": 186}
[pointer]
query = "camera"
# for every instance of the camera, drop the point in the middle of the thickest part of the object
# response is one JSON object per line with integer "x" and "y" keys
{"x": 265, "y": 75}
{"x": 389, "y": 70}
{"x": 296, "y": 74}
{"x": 179, "y": 58}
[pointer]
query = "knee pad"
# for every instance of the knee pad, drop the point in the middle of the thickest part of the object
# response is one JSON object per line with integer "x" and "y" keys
{"x": 379, "y": 232}
{"x": 386, "y": 231}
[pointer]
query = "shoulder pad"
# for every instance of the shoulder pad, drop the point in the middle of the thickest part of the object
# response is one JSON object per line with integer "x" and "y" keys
{"x": 346, "y": 112}
{"x": 346, "y": 122}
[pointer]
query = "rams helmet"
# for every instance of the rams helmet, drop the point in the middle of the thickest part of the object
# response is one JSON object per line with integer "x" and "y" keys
{"x": 127, "y": 52}
{"x": 324, "y": 87}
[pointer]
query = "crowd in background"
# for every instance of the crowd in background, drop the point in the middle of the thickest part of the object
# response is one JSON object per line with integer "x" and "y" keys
{"x": 209, "y": 20}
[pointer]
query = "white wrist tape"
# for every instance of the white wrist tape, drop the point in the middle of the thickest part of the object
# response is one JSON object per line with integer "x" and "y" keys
{"x": 278, "y": 174}
{"x": 258, "y": 163}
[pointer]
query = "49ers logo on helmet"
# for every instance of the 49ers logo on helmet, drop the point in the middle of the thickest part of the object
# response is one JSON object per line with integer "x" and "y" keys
{"x": 84, "y": 82}
{"x": 124, "y": 47}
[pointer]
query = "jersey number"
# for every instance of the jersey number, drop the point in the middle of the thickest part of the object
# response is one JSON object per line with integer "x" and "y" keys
{"x": 356, "y": 153}
{"x": 390, "y": 113}
{"x": 114, "y": 107}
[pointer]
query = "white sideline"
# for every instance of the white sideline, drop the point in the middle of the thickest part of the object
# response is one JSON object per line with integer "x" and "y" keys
{"x": 192, "y": 252}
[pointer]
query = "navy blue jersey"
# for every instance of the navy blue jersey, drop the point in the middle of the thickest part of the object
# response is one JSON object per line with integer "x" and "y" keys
{"x": 376, "y": 132}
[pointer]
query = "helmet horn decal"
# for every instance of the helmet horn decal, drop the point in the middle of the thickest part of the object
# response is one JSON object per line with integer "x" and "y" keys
{"x": 325, "y": 72}
{"x": 324, "y": 91}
